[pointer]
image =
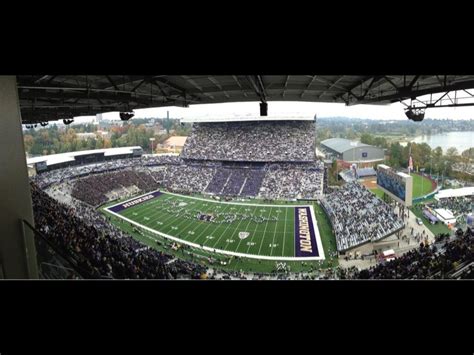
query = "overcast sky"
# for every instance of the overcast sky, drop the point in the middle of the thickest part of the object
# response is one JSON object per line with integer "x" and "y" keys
{"x": 389, "y": 112}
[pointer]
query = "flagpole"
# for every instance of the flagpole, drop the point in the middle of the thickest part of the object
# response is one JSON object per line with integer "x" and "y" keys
{"x": 409, "y": 158}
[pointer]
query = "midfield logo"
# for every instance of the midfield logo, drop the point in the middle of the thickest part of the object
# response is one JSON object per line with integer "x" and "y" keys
{"x": 243, "y": 235}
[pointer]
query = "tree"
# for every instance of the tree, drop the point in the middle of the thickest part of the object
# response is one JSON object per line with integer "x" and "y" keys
{"x": 452, "y": 152}
{"x": 107, "y": 143}
{"x": 451, "y": 157}
{"x": 437, "y": 155}
{"x": 468, "y": 153}
{"x": 395, "y": 155}
{"x": 91, "y": 144}
{"x": 28, "y": 141}
{"x": 366, "y": 138}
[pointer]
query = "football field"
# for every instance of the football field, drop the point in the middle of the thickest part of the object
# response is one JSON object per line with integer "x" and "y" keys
{"x": 258, "y": 231}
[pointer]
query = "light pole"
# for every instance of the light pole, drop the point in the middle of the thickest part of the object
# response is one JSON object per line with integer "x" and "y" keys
{"x": 431, "y": 163}
{"x": 422, "y": 178}
{"x": 444, "y": 171}
{"x": 151, "y": 141}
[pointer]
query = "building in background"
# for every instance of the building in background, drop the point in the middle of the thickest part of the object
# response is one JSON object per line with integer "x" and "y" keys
{"x": 175, "y": 143}
{"x": 352, "y": 152}
{"x": 85, "y": 136}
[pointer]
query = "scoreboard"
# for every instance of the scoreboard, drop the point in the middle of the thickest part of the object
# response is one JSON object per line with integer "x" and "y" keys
{"x": 397, "y": 185}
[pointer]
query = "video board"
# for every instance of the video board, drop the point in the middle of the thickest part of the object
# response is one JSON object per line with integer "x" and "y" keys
{"x": 397, "y": 184}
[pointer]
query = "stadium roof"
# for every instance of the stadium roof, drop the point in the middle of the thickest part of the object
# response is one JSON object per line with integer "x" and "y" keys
{"x": 342, "y": 145}
{"x": 53, "y": 159}
{"x": 53, "y": 97}
{"x": 245, "y": 119}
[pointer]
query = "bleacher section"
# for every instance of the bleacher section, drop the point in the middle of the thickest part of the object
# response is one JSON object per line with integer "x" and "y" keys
{"x": 359, "y": 217}
{"x": 273, "y": 141}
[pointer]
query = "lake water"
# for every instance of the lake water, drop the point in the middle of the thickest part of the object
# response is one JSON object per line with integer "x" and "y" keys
{"x": 460, "y": 140}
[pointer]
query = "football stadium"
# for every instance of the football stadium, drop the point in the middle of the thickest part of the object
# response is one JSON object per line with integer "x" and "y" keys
{"x": 246, "y": 198}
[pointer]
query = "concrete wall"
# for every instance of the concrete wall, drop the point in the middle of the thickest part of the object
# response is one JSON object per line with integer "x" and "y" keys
{"x": 17, "y": 249}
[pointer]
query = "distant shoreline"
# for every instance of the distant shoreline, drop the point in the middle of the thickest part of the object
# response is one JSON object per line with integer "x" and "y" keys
{"x": 460, "y": 146}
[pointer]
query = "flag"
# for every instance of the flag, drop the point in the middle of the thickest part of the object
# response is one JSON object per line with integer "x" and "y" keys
{"x": 410, "y": 164}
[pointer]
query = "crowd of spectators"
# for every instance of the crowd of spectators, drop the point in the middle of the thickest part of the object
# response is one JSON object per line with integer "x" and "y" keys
{"x": 236, "y": 181}
{"x": 94, "y": 189}
{"x": 460, "y": 206}
{"x": 100, "y": 250}
{"x": 48, "y": 178}
{"x": 274, "y": 160}
{"x": 358, "y": 216}
{"x": 98, "y": 184}
{"x": 436, "y": 261}
{"x": 252, "y": 141}
{"x": 292, "y": 181}
{"x": 187, "y": 178}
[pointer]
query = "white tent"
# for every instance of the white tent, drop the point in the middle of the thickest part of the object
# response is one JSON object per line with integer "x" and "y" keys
{"x": 463, "y": 191}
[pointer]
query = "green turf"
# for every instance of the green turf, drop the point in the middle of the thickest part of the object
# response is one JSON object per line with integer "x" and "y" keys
{"x": 435, "y": 228}
{"x": 377, "y": 191}
{"x": 272, "y": 238}
{"x": 269, "y": 238}
{"x": 421, "y": 185}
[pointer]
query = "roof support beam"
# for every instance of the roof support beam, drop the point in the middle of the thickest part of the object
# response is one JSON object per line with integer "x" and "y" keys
{"x": 332, "y": 84}
{"x": 262, "y": 87}
{"x": 284, "y": 87}
{"x": 416, "y": 93}
{"x": 45, "y": 77}
{"x": 307, "y": 86}
{"x": 413, "y": 81}
{"x": 112, "y": 82}
{"x": 92, "y": 94}
{"x": 193, "y": 83}
{"x": 258, "y": 87}
{"x": 177, "y": 88}
{"x": 138, "y": 85}
{"x": 392, "y": 83}
{"x": 240, "y": 86}
{"x": 375, "y": 80}
{"x": 214, "y": 81}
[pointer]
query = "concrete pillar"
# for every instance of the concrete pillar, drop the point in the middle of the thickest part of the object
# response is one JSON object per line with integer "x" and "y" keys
{"x": 17, "y": 248}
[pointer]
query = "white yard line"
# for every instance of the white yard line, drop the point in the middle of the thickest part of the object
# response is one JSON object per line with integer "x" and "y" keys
{"x": 209, "y": 226}
{"x": 233, "y": 203}
{"x": 274, "y": 235}
{"x": 246, "y": 227}
{"x": 164, "y": 222}
{"x": 237, "y": 229}
{"x": 225, "y": 252}
{"x": 284, "y": 238}
{"x": 217, "y": 241}
{"x": 264, "y": 231}
{"x": 317, "y": 235}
